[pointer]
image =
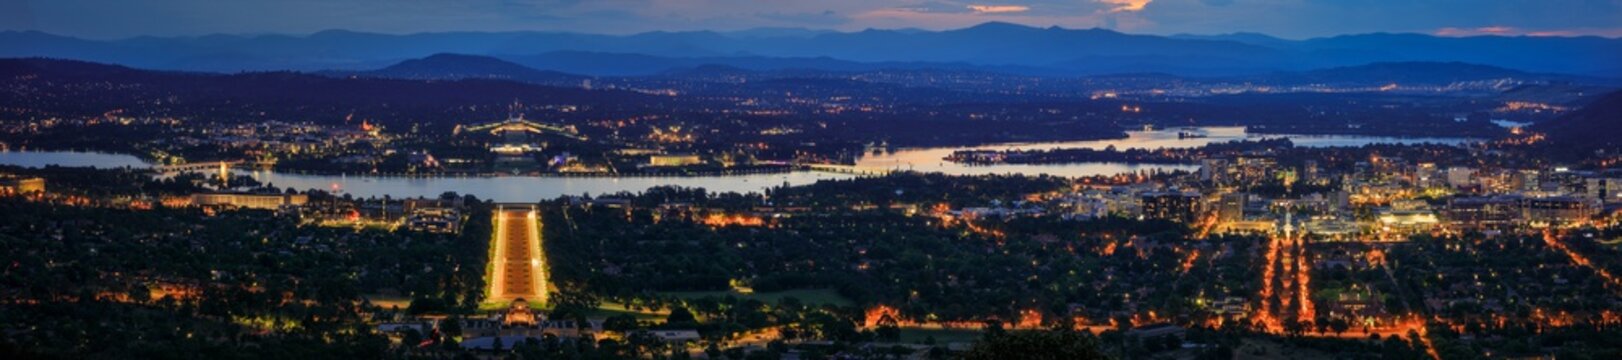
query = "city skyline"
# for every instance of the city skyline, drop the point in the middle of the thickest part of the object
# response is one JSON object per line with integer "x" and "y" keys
{"x": 768, "y": 180}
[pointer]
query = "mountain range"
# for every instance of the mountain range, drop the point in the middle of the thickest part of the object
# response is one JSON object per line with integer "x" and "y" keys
{"x": 462, "y": 66}
{"x": 459, "y": 66}
{"x": 993, "y": 46}
{"x": 48, "y": 87}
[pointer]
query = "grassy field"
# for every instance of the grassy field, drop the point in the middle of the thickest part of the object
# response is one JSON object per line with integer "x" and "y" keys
{"x": 389, "y": 301}
{"x": 806, "y": 296}
{"x": 608, "y": 309}
{"x": 502, "y": 306}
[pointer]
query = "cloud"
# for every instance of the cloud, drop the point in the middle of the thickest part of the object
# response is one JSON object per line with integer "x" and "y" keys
{"x": 1125, "y": 5}
{"x": 924, "y": 17}
{"x": 1499, "y": 30}
{"x": 999, "y": 9}
{"x": 825, "y": 18}
{"x": 104, "y": 19}
{"x": 1485, "y": 30}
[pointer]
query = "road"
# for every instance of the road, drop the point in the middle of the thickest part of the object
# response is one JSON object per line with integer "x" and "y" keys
{"x": 519, "y": 265}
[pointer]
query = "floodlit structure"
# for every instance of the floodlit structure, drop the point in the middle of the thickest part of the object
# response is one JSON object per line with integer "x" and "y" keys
{"x": 518, "y": 266}
{"x": 1173, "y": 206}
{"x": 250, "y": 201}
{"x": 21, "y": 185}
{"x": 1407, "y": 221}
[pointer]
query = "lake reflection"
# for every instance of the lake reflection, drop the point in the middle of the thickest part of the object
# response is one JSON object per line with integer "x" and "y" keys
{"x": 534, "y": 188}
{"x": 39, "y": 159}
{"x": 930, "y": 159}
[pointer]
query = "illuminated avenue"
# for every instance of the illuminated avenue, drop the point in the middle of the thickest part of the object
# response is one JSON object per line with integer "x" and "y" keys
{"x": 518, "y": 263}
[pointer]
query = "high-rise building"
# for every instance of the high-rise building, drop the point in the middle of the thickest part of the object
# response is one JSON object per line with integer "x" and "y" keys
{"x": 1427, "y": 175}
{"x": 1214, "y": 170}
{"x": 1175, "y": 206}
{"x": 1530, "y": 180}
{"x": 1499, "y": 181}
{"x": 1230, "y": 207}
{"x": 1255, "y": 169}
{"x": 1559, "y": 211}
{"x": 1309, "y": 172}
{"x": 1603, "y": 189}
{"x": 1482, "y": 213}
{"x": 1459, "y": 176}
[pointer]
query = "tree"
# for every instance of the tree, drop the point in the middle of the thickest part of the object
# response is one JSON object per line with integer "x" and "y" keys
{"x": 680, "y": 315}
{"x": 411, "y": 338}
{"x": 140, "y": 294}
{"x": 888, "y": 332}
{"x": 762, "y": 355}
{"x": 620, "y": 323}
{"x": 1294, "y": 328}
{"x": 1054, "y": 344}
{"x": 451, "y": 326}
{"x": 712, "y": 351}
{"x": 1340, "y": 326}
{"x": 1172, "y": 342}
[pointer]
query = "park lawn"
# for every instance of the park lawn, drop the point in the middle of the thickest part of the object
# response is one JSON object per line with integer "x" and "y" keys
{"x": 605, "y": 310}
{"x": 500, "y": 306}
{"x": 387, "y": 301}
{"x": 806, "y": 296}
{"x": 610, "y": 309}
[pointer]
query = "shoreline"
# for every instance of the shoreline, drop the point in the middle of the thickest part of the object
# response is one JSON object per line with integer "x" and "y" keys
{"x": 148, "y": 162}
{"x": 782, "y": 170}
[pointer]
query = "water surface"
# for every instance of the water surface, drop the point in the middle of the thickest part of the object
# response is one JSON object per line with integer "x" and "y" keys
{"x": 534, "y": 188}
{"x": 930, "y": 159}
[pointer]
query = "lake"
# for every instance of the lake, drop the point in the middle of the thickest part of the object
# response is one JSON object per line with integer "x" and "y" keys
{"x": 533, "y": 188}
{"x": 930, "y": 159}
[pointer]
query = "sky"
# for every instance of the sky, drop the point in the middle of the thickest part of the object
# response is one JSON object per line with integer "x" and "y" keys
{"x": 1294, "y": 19}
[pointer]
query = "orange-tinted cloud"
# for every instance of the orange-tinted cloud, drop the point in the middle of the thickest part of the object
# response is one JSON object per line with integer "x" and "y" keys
{"x": 1125, "y": 5}
{"x": 924, "y": 19}
{"x": 1514, "y": 31}
{"x": 999, "y": 9}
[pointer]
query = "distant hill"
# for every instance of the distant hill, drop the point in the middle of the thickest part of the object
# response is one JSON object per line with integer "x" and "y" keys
{"x": 1241, "y": 37}
{"x": 1054, "y": 50}
{"x": 1412, "y": 72}
{"x": 1594, "y": 126}
{"x": 929, "y": 106}
{"x": 459, "y": 66}
{"x": 646, "y": 70}
{"x": 624, "y": 64}
{"x": 708, "y": 70}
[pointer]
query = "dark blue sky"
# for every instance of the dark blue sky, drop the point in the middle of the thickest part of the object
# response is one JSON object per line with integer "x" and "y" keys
{"x": 1283, "y": 18}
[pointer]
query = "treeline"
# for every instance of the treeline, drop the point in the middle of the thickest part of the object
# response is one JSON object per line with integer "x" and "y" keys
{"x": 104, "y": 282}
